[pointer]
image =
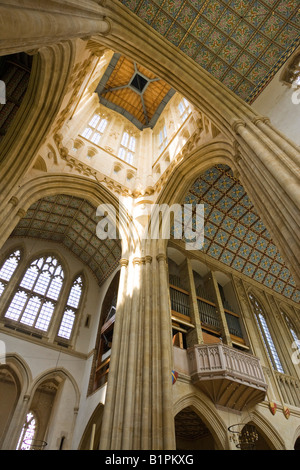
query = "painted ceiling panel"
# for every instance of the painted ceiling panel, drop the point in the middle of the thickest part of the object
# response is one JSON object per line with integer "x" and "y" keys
{"x": 71, "y": 221}
{"x": 234, "y": 233}
{"x": 133, "y": 91}
{"x": 242, "y": 43}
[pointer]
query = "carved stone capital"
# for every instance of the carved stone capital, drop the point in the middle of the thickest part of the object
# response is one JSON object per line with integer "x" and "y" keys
{"x": 263, "y": 119}
{"x": 237, "y": 124}
{"x": 21, "y": 213}
{"x": 161, "y": 257}
{"x": 124, "y": 262}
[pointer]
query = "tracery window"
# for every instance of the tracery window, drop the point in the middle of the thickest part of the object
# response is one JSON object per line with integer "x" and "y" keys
{"x": 127, "y": 148}
{"x": 95, "y": 129}
{"x": 292, "y": 329}
{"x": 35, "y": 299}
{"x": 184, "y": 109}
{"x": 28, "y": 432}
{"x": 71, "y": 309}
{"x": 8, "y": 268}
{"x": 266, "y": 335}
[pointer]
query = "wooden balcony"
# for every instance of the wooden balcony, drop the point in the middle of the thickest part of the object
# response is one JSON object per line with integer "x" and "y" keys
{"x": 231, "y": 378}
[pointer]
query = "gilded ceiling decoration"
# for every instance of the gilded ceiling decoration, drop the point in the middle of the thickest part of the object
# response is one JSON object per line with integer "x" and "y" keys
{"x": 133, "y": 91}
{"x": 72, "y": 221}
{"x": 234, "y": 233}
{"x": 242, "y": 43}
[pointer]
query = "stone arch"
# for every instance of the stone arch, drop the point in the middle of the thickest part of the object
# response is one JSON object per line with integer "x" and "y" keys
{"x": 271, "y": 435}
{"x": 48, "y": 399}
{"x": 92, "y": 433}
{"x": 60, "y": 373}
{"x": 296, "y": 439}
{"x": 50, "y": 73}
{"x": 262, "y": 152}
{"x": 260, "y": 149}
{"x": 191, "y": 165}
{"x": 21, "y": 375}
{"x": 83, "y": 187}
{"x": 212, "y": 420}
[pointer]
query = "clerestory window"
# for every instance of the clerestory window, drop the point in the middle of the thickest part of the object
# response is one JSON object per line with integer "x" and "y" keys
{"x": 163, "y": 138}
{"x": 266, "y": 335}
{"x": 127, "y": 148}
{"x": 184, "y": 109}
{"x": 292, "y": 329}
{"x": 95, "y": 129}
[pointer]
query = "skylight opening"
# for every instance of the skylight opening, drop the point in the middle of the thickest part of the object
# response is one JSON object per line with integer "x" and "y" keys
{"x": 139, "y": 83}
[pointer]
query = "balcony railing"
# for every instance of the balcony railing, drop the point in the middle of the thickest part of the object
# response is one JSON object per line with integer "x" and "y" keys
{"x": 179, "y": 300}
{"x": 290, "y": 388}
{"x": 209, "y": 316}
{"x": 231, "y": 378}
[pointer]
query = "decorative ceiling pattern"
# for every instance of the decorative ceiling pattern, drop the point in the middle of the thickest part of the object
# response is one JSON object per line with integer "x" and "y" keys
{"x": 242, "y": 43}
{"x": 71, "y": 221}
{"x": 133, "y": 91}
{"x": 234, "y": 233}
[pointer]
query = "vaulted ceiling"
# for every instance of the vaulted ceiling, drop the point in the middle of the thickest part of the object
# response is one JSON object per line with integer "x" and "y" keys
{"x": 242, "y": 43}
{"x": 234, "y": 233}
{"x": 72, "y": 222}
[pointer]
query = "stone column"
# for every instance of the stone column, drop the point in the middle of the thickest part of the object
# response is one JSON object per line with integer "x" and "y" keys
{"x": 28, "y": 25}
{"x": 276, "y": 192}
{"x": 286, "y": 145}
{"x": 138, "y": 410}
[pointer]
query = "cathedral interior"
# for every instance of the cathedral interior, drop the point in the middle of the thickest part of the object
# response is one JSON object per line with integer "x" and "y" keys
{"x": 149, "y": 225}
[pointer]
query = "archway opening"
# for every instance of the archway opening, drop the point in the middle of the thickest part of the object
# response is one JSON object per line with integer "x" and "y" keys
{"x": 252, "y": 438}
{"x": 9, "y": 392}
{"x": 104, "y": 340}
{"x": 191, "y": 432}
{"x": 91, "y": 436}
